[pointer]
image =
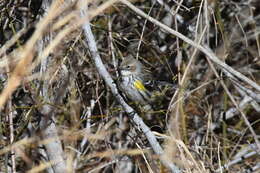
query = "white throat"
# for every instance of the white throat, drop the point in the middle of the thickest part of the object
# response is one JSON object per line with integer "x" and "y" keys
{"x": 125, "y": 72}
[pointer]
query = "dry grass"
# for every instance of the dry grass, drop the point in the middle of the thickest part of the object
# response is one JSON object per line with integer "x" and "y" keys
{"x": 207, "y": 124}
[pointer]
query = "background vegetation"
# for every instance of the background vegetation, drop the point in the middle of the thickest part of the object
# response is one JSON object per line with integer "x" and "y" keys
{"x": 58, "y": 114}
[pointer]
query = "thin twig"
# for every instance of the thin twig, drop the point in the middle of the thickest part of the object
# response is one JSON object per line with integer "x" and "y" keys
{"x": 11, "y": 127}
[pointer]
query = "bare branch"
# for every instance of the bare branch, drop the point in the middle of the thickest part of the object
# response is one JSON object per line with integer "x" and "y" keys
{"x": 130, "y": 111}
{"x": 205, "y": 50}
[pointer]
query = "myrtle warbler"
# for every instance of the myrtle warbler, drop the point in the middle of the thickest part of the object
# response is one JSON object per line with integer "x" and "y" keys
{"x": 133, "y": 81}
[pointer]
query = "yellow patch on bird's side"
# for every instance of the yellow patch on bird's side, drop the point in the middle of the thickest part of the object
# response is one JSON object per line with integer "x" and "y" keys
{"x": 139, "y": 85}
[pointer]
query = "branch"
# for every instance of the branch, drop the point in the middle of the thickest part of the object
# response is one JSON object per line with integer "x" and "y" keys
{"x": 48, "y": 127}
{"x": 130, "y": 111}
{"x": 210, "y": 55}
{"x": 205, "y": 50}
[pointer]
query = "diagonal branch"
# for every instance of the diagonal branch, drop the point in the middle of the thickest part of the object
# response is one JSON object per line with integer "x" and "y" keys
{"x": 130, "y": 111}
{"x": 211, "y": 56}
{"x": 203, "y": 49}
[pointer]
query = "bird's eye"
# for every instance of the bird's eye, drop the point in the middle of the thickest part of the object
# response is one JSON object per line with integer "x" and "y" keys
{"x": 128, "y": 67}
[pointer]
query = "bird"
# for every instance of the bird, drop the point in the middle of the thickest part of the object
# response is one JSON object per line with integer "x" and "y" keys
{"x": 134, "y": 79}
